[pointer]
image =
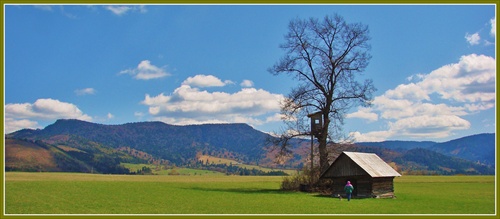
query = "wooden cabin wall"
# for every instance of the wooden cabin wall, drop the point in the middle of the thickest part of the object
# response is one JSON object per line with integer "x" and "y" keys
{"x": 383, "y": 187}
{"x": 365, "y": 186}
{"x": 362, "y": 185}
{"x": 344, "y": 166}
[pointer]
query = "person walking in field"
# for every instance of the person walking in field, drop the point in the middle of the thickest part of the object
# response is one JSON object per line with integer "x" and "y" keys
{"x": 348, "y": 188}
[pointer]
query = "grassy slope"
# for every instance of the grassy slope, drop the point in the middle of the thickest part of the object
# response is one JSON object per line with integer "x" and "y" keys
{"x": 28, "y": 193}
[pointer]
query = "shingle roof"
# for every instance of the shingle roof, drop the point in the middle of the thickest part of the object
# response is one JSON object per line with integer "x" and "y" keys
{"x": 372, "y": 164}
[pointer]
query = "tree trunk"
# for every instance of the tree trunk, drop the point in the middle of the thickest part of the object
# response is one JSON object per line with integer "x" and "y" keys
{"x": 323, "y": 154}
{"x": 322, "y": 140}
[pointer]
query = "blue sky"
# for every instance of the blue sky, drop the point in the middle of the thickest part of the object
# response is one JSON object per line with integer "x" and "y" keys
{"x": 433, "y": 66}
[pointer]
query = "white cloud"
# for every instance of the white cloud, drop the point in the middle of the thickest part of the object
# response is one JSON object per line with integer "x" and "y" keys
{"x": 45, "y": 109}
{"x": 275, "y": 118}
{"x": 426, "y": 126}
{"x": 415, "y": 77}
{"x": 472, "y": 39}
{"x": 205, "y": 81}
{"x": 122, "y": 9}
{"x": 12, "y": 125}
{"x": 493, "y": 23}
{"x": 417, "y": 127}
{"x": 424, "y": 108}
{"x": 408, "y": 91}
{"x": 364, "y": 113}
{"x": 110, "y": 116}
{"x": 146, "y": 71}
{"x": 192, "y": 105}
{"x": 376, "y": 136}
{"x": 19, "y": 114}
{"x": 85, "y": 91}
{"x": 472, "y": 79}
{"x": 246, "y": 83}
{"x": 118, "y": 10}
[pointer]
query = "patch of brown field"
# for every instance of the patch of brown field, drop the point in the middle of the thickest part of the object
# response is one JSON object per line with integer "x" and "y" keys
{"x": 28, "y": 156}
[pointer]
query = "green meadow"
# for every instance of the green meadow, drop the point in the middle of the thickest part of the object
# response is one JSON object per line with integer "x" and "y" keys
{"x": 76, "y": 193}
{"x": 178, "y": 170}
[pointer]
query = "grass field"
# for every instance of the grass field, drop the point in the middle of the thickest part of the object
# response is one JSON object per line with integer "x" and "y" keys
{"x": 217, "y": 160}
{"x": 178, "y": 170}
{"x": 75, "y": 193}
{"x": 159, "y": 170}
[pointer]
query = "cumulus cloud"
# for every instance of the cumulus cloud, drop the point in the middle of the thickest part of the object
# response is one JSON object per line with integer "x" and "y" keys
{"x": 364, "y": 113}
{"x": 25, "y": 115}
{"x": 85, "y": 91}
{"x": 472, "y": 79}
{"x": 205, "y": 81}
{"x": 122, "y": 9}
{"x": 193, "y": 105}
{"x": 408, "y": 91}
{"x": 429, "y": 126}
{"x": 434, "y": 106}
{"x": 376, "y": 136}
{"x": 146, "y": 71}
{"x": 12, "y": 125}
{"x": 246, "y": 83}
{"x": 472, "y": 39}
{"x": 416, "y": 77}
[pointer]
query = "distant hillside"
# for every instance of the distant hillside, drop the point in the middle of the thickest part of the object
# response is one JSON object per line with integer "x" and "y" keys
{"x": 177, "y": 144}
{"x": 423, "y": 159}
{"x": 399, "y": 145}
{"x": 104, "y": 147}
{"x": 30, "y": 156}
{"x": 477, "y": 148}
{"x": 36, "y": 156}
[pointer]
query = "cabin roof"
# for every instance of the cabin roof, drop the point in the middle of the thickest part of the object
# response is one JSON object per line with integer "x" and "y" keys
{"x": 372, "y": 164}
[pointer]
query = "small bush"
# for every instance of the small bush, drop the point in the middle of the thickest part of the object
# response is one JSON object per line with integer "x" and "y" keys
{"x": 174, "y": 172}
{"x": 300, "y": 181}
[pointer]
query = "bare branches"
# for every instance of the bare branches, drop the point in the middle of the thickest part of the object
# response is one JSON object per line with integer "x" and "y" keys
{"x": 325, "y": 56}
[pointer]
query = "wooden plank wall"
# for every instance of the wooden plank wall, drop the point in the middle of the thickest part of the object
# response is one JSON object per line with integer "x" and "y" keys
{"x": 366, "y": 186}
{"x": 344, "y": 166}
{"x": 383, "y": 187}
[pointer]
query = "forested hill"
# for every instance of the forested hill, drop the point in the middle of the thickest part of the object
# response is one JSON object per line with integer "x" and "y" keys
{"x": 478, "y": 148}
{"x": 174, "y": 143}
{"x": 98, "y": 145}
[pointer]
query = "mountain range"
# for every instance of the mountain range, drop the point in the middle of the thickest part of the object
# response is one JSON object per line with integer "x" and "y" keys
{"x": 478, "y": 148}
{"x": 74, "y": 145}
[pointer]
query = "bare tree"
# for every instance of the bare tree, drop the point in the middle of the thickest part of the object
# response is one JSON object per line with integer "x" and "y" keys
{"x": 325, "y": 56}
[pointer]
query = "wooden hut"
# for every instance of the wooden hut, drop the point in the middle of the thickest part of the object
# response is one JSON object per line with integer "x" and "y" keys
{"x": 369, "y": 174}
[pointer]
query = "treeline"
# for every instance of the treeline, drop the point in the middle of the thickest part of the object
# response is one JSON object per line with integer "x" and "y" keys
{"x": 235, "y": 170}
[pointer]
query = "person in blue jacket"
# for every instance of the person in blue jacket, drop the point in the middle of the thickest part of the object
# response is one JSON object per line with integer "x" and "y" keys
{"x": 348, "y": 188}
